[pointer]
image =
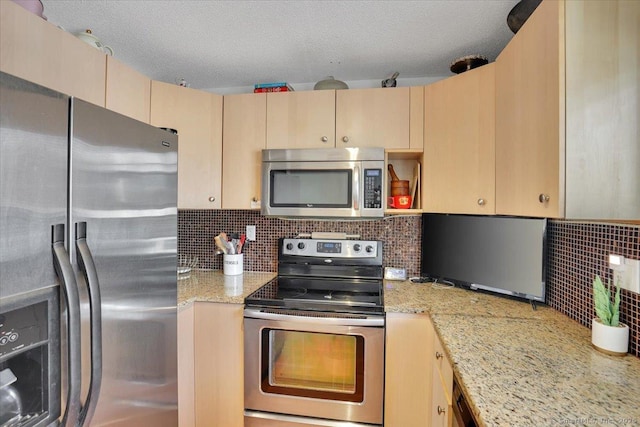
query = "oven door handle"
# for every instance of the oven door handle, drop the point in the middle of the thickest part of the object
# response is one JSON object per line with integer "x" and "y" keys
{"x": 333, "y": 319}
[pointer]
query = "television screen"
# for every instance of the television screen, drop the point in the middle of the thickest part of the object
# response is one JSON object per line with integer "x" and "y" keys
{"x": 494, "y": 253}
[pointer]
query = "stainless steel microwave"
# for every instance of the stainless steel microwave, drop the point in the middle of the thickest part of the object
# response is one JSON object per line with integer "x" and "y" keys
{"x": 324, "y": 182}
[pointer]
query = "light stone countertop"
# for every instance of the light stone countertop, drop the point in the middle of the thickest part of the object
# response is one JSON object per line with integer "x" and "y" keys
{"x": 214, "y": 286}
{"x": 518, "y": 366}
{"x": 521, "y": 367}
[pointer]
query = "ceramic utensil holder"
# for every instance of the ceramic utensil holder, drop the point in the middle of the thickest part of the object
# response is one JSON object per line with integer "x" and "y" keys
{"x": 232, "y": 264}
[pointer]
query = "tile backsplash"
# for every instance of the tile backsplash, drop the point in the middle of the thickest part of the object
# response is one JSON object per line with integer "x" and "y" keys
{"x": 577, "y": 251}
{"x": 196, "y": 229}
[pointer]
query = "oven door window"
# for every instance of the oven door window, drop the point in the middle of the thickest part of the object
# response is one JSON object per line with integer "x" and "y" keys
{"x": 312, "y": 364}
{"x": 325, "y": 188}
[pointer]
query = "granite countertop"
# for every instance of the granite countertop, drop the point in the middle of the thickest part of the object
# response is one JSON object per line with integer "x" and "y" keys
{"x": 214, "y": 286}
{"x": 517, "y": 366}
{"x": 524, "y": 367}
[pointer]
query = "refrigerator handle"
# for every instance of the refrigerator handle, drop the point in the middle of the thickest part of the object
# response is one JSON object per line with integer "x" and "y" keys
{"x": 88, "y": 268}
{"x": 64, "y": 271}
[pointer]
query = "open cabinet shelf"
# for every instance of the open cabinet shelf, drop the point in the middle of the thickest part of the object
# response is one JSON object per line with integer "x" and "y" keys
{"x": 407, "y": 165}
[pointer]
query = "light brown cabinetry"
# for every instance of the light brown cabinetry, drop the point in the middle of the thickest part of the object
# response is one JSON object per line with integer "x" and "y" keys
{"x": 197, "y": 116}
{"x": 459, "y": 148}
{"x": 301, "y": 119}
{"x": 442, "y": 386}
{"x": 388, "y": 118}
{"x": 244, "y": 139}
{"x": 35, "y": 50}
{"x": 567, "y": 102}
{"x": 127, "y": 91}
{"x": 377, "y": 118}
{"x": 210, "y": 368}
{"x": 408, "y": 370}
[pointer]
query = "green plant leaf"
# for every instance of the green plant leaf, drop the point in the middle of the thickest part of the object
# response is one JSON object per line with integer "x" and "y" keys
{"x": 602, "y": 301}
{"x": 615, "y": 311}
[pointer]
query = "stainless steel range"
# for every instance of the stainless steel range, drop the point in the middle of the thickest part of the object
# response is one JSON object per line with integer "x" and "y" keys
{"x": 314, "y": 337}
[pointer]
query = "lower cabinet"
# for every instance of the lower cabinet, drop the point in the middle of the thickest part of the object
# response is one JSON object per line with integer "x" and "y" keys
{"x": 210, "y": 365}
{"x": 418, "y": 375}
{"x": 408, "y": 371}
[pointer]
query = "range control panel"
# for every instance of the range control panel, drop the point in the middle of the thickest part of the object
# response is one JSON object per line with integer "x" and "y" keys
{"x": 330, "y": 248}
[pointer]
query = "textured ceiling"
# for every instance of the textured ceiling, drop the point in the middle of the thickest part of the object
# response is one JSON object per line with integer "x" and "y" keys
{"x": 234, "y": 44}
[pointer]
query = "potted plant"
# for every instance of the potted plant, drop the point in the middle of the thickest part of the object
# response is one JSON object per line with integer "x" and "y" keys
{"x": 607, "y": 333}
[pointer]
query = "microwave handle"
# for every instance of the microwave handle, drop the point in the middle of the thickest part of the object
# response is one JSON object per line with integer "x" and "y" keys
{"x": 356, "y": 187}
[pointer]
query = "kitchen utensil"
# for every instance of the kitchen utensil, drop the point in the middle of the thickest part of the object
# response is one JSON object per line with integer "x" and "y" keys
{"x": 391, "y": 82}
{"x": 400, "y": 202}
{"x": 520, "y": 13}
{"x": 220, "y": 244}
{"x": 88, "y": 37}
{"x": 330, "y": 83}
{"x": 399, "y": 187}
{"x": 466, "y": 63}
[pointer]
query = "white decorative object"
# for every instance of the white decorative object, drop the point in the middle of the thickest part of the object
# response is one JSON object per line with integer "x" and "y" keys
{"x": 88, "y": 37}
{"x": 612, "y": 340}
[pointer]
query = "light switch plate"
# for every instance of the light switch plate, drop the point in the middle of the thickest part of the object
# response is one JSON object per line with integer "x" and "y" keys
{"x": 251, "y": 233}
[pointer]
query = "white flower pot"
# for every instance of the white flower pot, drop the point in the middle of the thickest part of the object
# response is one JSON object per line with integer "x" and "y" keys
{"x": 612, "y": 340}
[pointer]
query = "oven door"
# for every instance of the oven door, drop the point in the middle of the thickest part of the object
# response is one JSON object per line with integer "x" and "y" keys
{"x": 316, "y": 365}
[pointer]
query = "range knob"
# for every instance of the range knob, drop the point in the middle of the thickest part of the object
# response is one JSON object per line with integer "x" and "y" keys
{"x": 357, "y": 247}
{"x": 289, "y": 246}
{"x": 369, "y": 249}
{"x": 301, "y": 245}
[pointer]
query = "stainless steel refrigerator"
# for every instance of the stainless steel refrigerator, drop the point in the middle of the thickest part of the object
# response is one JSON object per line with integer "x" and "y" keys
{"x": 88, "y": 215}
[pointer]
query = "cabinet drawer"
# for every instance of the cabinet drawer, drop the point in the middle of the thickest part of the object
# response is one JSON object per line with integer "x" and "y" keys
{"x": 441, "y": 410}
{"x": 444, "y": 369}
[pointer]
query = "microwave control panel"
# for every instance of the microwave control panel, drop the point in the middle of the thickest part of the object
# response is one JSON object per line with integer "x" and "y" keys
{"x": 373, "y": 188}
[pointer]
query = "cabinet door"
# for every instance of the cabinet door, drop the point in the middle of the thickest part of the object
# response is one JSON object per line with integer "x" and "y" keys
{"x": 197, "y": 116}
{"x": 244, "y": 139}
{"x": 128, "y": 92}
{"x": 408, "y": 370}
{"x": 219, "y": 365}
{"x": 459, "y": 151}
{"x": 373, "y": 117}
{"x": 530, "y": 117}
{"x": 301, "y": 119}
{"x": 36, "y": 50}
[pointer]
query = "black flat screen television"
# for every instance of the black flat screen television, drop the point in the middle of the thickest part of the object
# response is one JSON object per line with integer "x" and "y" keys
{"x": 499, "y": 254}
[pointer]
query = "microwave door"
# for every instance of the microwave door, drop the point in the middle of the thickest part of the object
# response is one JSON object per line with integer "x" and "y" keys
{"x": 321, "y": 189}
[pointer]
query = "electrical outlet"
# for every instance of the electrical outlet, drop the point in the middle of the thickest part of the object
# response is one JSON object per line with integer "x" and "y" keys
{"x": 626, "y": 272}
{"x": 251, "y": 232}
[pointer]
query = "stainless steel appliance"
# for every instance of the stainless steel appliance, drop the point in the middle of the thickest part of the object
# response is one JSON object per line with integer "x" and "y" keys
{"x": 88, "y": 211}
{"x": 314, "y": 337}
{"x": 325, "y": 182}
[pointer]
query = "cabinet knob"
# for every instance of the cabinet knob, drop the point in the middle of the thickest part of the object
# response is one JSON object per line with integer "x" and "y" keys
{"x": 438, "y": 355}
{"x": 481, "y": 202}
{"x": 255, "y": 199}
{"x": 212, "y": 199}
{"x": 345, "y": 139}
{"x": 543, "y": 198}
{"x": 324, "y": 139}
{"x": 441, "y": 410}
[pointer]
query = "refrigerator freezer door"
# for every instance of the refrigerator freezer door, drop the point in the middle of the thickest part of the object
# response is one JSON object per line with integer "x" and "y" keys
{"x": 124, "y": 186}
{"x": 33, "y": 182}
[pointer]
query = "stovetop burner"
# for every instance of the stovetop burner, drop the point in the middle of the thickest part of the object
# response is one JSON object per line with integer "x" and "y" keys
{"x": 321, "y": 275}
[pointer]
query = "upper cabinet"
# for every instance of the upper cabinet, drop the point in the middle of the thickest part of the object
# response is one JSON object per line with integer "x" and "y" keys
{"x": 197, "y": 117}
{"x": 373, "y": 118}
{"x": 384, "y": 117}
{"x": 459, "y": 148}
{"x": 35, "y": 50}
{"x": 127, "y": 92}
{"x": 301, "y": 119}
{"x": 567, "y": 103}
{"x": 244, "y": 139}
